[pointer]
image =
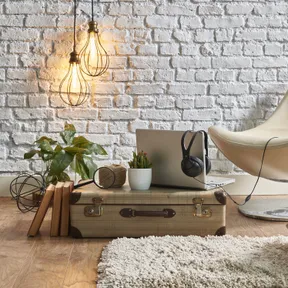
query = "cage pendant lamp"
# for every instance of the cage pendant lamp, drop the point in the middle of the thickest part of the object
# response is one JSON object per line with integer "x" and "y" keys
{"x": 74, "y": 89}
{"x": 94, "y": 58}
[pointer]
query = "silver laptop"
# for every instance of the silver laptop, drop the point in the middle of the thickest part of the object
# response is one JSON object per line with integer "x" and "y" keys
{"x": 164, "y": 150}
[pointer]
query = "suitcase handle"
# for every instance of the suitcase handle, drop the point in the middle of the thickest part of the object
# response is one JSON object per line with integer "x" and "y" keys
{"x": 129, "y": 213}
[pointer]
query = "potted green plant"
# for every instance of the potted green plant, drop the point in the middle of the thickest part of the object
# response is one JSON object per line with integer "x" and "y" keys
{"x": 140, "y": 172}
{"x": 76, "y": 153}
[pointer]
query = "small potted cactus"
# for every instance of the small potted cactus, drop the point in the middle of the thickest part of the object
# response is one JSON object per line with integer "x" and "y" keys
{"x": 140, "y": 172}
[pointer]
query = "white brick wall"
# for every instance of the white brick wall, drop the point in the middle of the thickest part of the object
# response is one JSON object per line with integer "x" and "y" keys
{"x": 174, "y": 65}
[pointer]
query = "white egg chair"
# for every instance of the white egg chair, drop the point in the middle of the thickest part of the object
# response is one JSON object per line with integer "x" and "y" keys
{"x": 245, "y": 150}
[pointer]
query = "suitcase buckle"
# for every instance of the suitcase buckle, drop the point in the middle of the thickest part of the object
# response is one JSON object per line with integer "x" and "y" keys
{"x": 95, "y": 210}
{"x": 199, "y": 212}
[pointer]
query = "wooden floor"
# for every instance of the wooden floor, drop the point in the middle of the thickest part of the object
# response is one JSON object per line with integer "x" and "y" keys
{"x": 44, "y": 262}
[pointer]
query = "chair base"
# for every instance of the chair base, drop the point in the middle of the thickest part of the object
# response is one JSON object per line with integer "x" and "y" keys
{"x": 266, "y": 209}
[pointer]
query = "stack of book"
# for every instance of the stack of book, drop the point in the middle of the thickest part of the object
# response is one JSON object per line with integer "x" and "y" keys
{"x": 60, "y": 195}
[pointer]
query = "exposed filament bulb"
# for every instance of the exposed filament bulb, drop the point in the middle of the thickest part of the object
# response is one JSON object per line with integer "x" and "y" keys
{"x": 74, "y": 90}
{"x": 75, "y": 84}
{"x": 93, "y": 51}
{"x": 94, "y": 58}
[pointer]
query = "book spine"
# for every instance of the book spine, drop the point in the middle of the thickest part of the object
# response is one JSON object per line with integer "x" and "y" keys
{"x": 41, "y": 212}
{"x": 56, "y": 210}
{"x": 65, "y": 212}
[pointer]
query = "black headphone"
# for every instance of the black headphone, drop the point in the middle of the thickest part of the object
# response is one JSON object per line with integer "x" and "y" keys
{"x": 193, "y": 166}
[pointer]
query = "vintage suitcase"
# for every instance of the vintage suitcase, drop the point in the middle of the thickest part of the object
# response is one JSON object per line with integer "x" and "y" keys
{"x": 119, "y": 212}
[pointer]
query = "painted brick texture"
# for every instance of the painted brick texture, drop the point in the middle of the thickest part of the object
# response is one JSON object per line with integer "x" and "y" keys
{"x": 174, "y": 65}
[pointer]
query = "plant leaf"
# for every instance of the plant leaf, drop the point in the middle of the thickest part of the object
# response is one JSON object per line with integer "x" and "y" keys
{"x": 53, "y": 179}
{"x": 47, "y": 157}
{"x": 46, "y": 147}
{"x": 58, "y": 148}
{"x": 68, "y": 134}
{"x": 69, "y": 126}
{"x": 31, "y": 153}
{"x": 90, "y": 165}
{"x": 97, "y": 149}
{"x": 81, "y": 142}
{"x": 43, "y": 138}
{"x": 64, "y": 177}
{"x": 60, "y": 162}
{"x": 74, "y": 150}
{"x": 80, "y": 167}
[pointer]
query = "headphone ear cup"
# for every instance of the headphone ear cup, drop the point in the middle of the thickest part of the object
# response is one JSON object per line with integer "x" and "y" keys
{"x": 208, "y": 164}
{"x": 192, "y": 166}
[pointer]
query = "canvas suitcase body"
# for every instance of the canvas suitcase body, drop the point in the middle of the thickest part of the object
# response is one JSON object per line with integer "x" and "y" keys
{"x": 120, "y": 212}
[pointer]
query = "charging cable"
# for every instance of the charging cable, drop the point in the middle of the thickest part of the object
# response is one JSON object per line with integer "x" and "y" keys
{"x": 255, "y": 185}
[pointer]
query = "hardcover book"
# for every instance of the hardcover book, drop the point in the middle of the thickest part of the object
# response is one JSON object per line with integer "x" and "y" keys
{"x": 67, "y": 189}
{"x": 56, "y": 210}
{"x": 42, "y": 210}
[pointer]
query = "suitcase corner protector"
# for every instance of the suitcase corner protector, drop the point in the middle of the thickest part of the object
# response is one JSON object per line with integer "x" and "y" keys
{"x": 221, "y": 197}
{"x": 75, "y": 197}
{"x": 75, "y": 232}
{"x": 221, "y": 231}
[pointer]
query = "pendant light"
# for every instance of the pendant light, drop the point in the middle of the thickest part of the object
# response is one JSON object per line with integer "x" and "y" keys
{"x": 94, "y": 58}
{"x": 74, "y": 89}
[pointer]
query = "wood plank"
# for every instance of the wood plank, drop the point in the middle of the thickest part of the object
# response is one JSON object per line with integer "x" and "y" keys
{"x": 13, "y": 256}
{"x": 47, "y": 264}
{"x": 81, "y": 271}
{"x": 238, "y": 224}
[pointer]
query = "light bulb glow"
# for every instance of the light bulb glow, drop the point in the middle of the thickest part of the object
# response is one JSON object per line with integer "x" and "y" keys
{"x": 74, "y": 90}
{"x": 93, "y": 50}
{"x": 94, "y": 58}
{"x": 75, "y": 85}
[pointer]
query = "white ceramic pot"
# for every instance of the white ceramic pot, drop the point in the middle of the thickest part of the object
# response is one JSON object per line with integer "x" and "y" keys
{"x": 140, "y": 179}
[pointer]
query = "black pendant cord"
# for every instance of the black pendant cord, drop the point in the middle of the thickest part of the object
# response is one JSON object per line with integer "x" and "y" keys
{"x": 92, "y": 9}
{"x": 75, "y": 7}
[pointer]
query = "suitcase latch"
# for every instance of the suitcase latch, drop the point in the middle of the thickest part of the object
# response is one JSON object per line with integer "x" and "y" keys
{"x": 95, "y": 210}
{"x": 199, "y": 212}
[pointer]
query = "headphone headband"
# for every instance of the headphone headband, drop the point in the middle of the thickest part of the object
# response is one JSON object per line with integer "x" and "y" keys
{"x": 186, "y": 152}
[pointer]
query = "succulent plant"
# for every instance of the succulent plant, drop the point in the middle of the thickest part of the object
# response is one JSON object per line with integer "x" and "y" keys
{"x": 140, "y": 161}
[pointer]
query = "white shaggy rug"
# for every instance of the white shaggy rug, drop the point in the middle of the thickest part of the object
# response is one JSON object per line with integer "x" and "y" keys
{"x": 210, "y": 262}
